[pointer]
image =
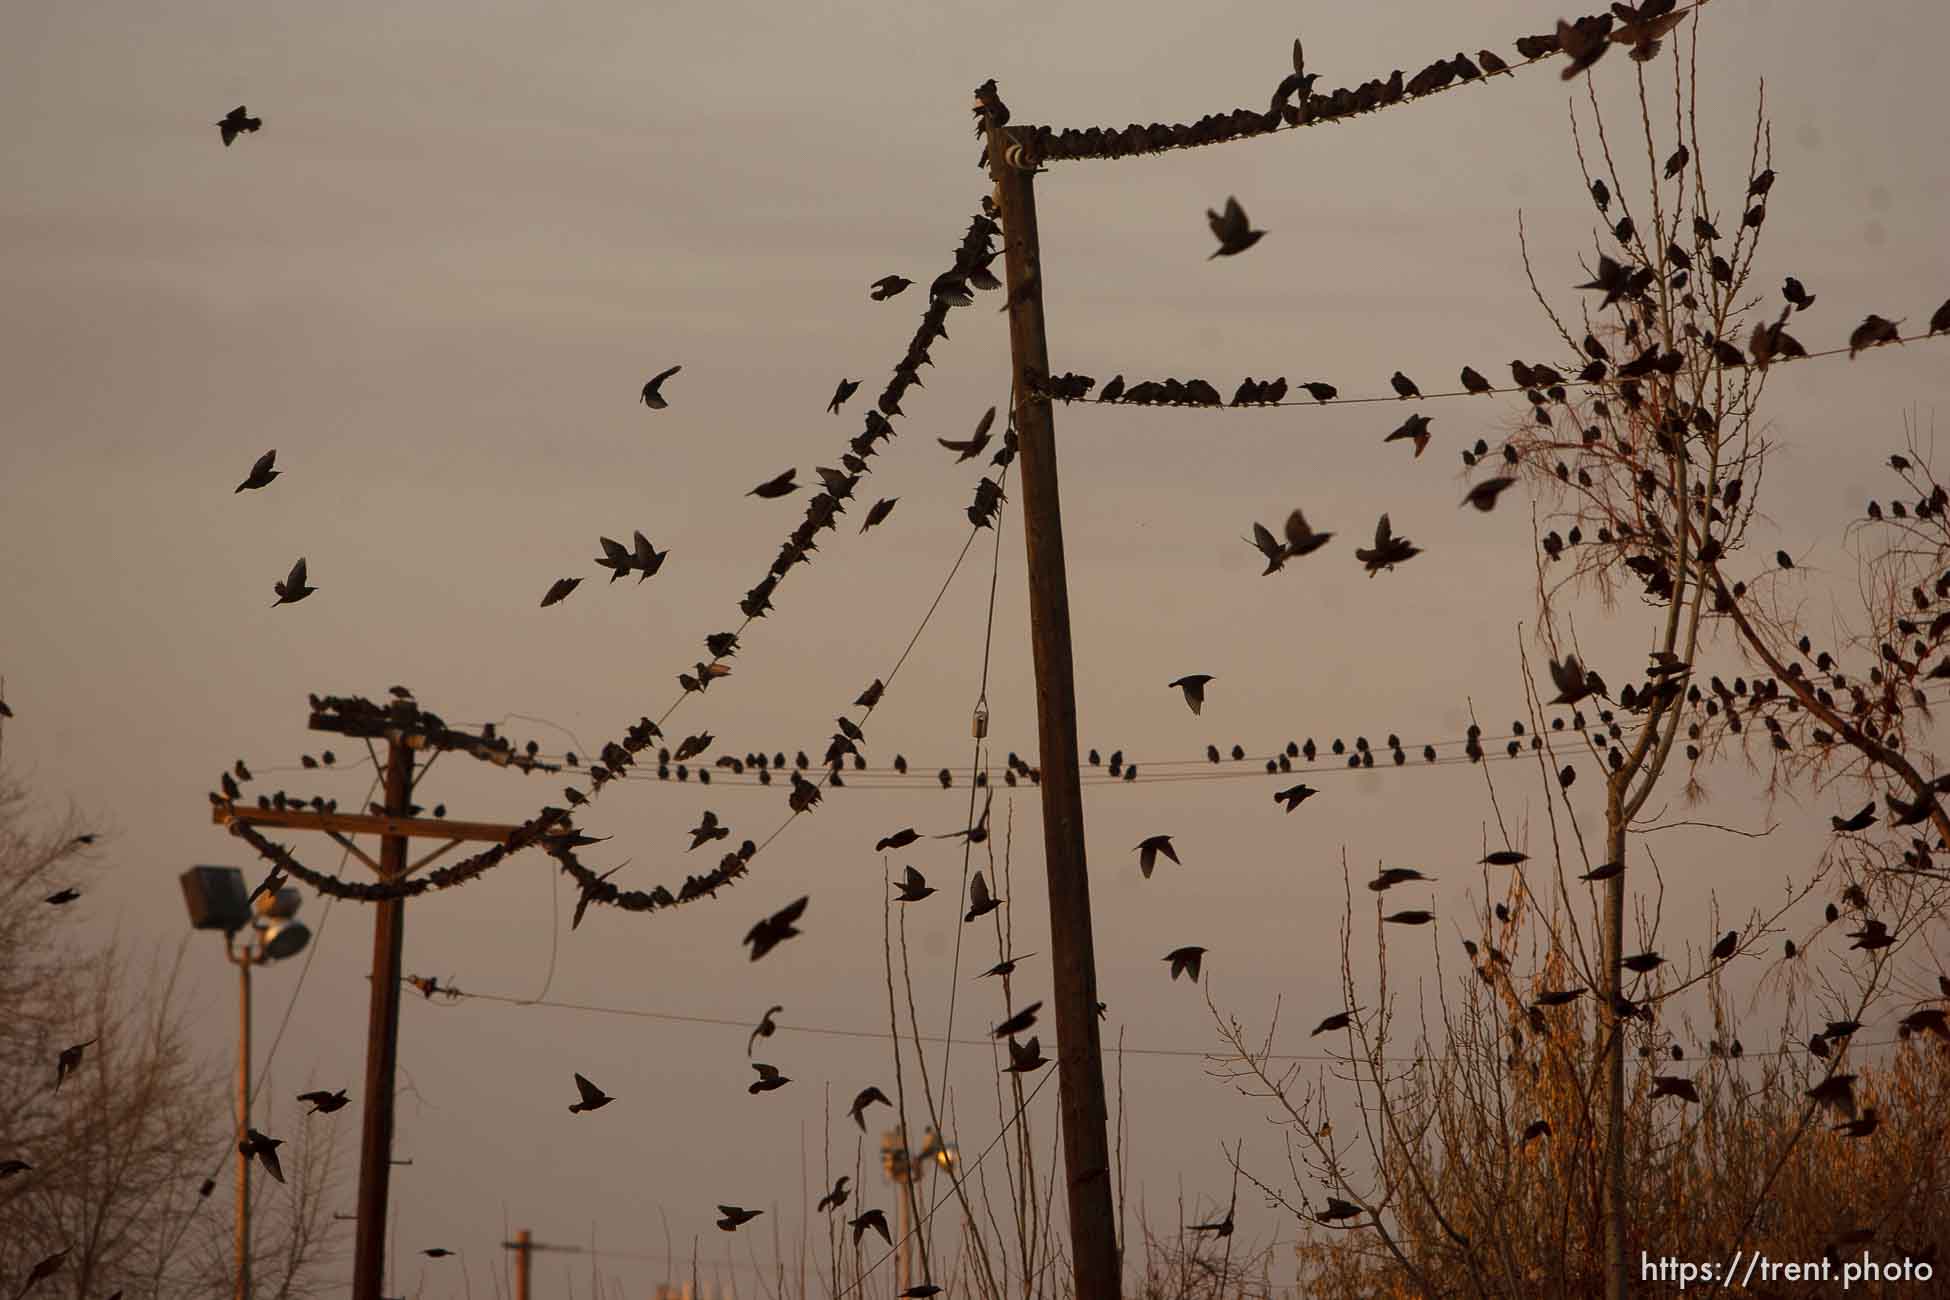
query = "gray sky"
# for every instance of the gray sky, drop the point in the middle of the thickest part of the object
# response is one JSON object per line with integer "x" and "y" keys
{"x": 466, "y": 234}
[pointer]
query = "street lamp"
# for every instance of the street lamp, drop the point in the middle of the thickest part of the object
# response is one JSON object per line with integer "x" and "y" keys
{"x": 216, "y": 901}
{"x": 902, "y": 1168}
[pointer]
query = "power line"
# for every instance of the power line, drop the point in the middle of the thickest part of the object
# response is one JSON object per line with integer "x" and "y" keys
{"x": 1570, "y": 382}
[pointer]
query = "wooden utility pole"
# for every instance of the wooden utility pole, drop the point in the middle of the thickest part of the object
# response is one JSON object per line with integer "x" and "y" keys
{"x": 1086, "y": 1149}
{"x": 382, "y": 1041}
{"x": 243, "y": 1123}
{"x": 523, "y": 1248}
{"x": 395, "y": 827}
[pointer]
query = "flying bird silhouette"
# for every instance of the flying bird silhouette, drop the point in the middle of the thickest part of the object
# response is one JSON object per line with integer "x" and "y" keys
{"x": 847, "y": 388}
{"x": 764, "y": 1029}
{"x": 653, "y": 391}
{"x": 875, "y": 1219}
{"x": 1388, "y": 550}
{"x": 1232, "y": 230}
{"x": 293, "y": 588}
{"x": 236, "y": 122}
{"x": 324, "y": 1103}
{"x": 1194, "y": 687}
{"x": 867, "y": 1097}
{"x": 1007, "y": 966}
{"x": 1294, "y": 796}
{"x": 1483, "y": 496}
{"x": 913, "y": 887}
{"x": 593, "y": 1098}
{"x": 887, "y": 286}
{"x": 980, "y": 901}
{"x": 558, "y": 591}
{"x": 1024, "y": 1058}
{"x": 261, "y": 473}
{"x": 1185, "y": 961}
{"x": 1149, "y": 849}
{"x": 775, "y": 929}
{"x": 834, "y": 1199}
{"x": 769, "y": 1079}
{"x": 975, "y": 445}
{"x": 1020, "y": 1021}
{"x": 69, "y": 1061}
{"x": 735, "y": 1217}
{"x": 772, "y": 488}
{"x": 878, "y": 512}
{"x": 265, "y": 1149}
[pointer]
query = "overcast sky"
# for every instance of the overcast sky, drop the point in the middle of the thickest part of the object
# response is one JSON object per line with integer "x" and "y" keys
{"x": 466, "y": 235}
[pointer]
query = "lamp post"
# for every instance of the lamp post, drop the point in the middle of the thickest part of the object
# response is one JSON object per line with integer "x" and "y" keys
{"x": 216, "y": 900}
{"x": 902, "y": 1168}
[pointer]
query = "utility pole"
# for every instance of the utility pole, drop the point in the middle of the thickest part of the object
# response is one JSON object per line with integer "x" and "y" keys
{"x": 404, "y": 731}
{"x": 1086, "y": 1150}
{"x": 522, "y": 1247}
{"x": 382, "y": 1040}
{"x": 243, "y": 1124}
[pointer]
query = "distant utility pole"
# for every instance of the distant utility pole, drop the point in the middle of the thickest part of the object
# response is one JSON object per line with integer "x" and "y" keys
{"x": 524, "y": 1246}
{"x": 1086, "y": 1148}
{"x": 394, "y": 828}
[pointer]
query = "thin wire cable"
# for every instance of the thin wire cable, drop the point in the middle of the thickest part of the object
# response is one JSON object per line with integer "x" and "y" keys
{"x": 1567, "y": 383}
{"x": 834, "y": 1031}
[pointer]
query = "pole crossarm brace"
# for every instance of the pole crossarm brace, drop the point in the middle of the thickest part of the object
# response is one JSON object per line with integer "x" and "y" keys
{"x": 416, "y": 728}
{"x": 426, "y": 828}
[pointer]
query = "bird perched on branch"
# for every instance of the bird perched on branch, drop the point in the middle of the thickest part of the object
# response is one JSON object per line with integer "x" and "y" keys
{"x": 1232, "y": 230}
{"x": 261, "y": 473}
{"x": 293, "y": 588}
{"x": 653, "y": 391}
{"x": 236, "y": 122}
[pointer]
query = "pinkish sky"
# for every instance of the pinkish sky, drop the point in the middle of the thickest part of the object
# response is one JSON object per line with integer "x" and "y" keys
{"x": 464, "y": 237}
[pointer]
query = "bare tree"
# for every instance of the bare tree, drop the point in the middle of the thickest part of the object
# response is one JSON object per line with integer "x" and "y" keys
{"x": 119, "y": 1152}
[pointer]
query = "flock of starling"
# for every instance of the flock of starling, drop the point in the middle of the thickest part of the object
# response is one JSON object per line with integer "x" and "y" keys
{"x": 1294, "y": 103}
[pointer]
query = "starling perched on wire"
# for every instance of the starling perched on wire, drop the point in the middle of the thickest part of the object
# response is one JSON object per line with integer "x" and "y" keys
{"x": 1404, "y": 386}
{"x": 1473, "y": 382}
